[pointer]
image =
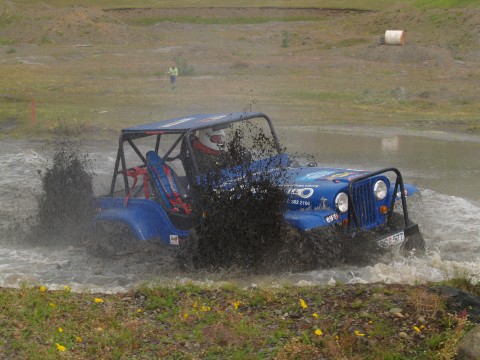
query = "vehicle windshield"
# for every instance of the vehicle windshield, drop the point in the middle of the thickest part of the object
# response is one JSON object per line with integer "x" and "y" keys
{"x": 238, "y": 143}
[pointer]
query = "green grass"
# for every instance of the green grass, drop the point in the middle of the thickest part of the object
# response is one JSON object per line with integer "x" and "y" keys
{"x": 191, "y": 321}
{"x": 6, "y": 42}
{"x": 7, "y": 18}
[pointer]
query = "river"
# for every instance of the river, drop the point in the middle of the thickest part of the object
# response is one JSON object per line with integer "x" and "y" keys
{"x": 445, "y": 166}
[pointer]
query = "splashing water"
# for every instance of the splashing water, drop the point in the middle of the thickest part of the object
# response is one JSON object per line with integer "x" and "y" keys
{"x": 450, "y": 224}
{"x": 66, "y": 204}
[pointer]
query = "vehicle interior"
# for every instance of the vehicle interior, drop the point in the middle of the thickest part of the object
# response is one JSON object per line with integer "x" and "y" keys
{"x": 161, "y": 166}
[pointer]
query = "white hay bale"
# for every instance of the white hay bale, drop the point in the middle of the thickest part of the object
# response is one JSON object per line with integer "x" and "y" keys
{"x": 395, "y": 37}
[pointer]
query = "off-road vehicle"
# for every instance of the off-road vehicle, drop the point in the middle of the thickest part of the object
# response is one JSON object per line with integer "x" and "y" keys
{"x": 156, "y": 171}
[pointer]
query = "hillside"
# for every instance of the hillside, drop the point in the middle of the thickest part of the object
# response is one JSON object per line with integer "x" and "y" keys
{"x": 101, "y": 68}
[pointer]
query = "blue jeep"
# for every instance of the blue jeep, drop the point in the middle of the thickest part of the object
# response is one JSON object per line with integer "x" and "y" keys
{"x": 156, "y": 170}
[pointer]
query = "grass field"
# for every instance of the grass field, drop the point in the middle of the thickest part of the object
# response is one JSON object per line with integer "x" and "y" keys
{"x": 374, "y": 321}
{"x": 101, "y": 70}
{"x": 342, "y": 4}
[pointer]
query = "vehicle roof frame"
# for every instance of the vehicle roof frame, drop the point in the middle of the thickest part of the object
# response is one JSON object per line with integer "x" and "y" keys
{"x": 177, "y": 126}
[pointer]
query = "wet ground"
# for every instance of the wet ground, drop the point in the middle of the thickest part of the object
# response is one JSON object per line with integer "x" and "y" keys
{"x": 444, "y": 166}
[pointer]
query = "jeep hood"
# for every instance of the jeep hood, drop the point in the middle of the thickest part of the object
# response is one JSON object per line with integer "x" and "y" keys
{"x": 316, "y": 188}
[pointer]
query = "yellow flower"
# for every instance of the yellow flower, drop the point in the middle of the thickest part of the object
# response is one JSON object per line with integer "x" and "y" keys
{"x": 416, "y": 329}
{"x": 315, "y": 315}
{"x": 205, "y": 308}
{"x": 139, "y": 311}
{"x": 60, "y": 347}
{"x": 66, "y": 288}
{"x": 42, "y": 288}
{"x": 422, "y": 327}
{"x": 318, "y": 332}
{"x": 303, "y": 304}
{"x": 98, "y": 300}
{"x": 52, "y": 305}
{"x": 358, "y": 333}
{"x": 78, "y": 339}
{"x": 236, "y": 304}
{"x": 185, "y": 316}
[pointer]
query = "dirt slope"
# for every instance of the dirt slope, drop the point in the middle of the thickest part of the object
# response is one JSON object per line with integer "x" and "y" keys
{"x": 103, "y": 67}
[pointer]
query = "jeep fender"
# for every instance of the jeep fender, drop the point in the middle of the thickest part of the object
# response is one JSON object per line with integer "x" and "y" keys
{"x": 307, "y": 220}
{"x": 145, "y": 218}
{"x": 409, "y": 189}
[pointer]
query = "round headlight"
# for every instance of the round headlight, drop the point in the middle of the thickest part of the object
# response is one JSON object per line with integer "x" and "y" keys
{"x": 341, "y": 202}
{"x": 380, "y": 190}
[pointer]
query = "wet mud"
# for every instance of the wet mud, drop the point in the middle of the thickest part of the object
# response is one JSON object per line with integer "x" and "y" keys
{"x": 66, "y": 203}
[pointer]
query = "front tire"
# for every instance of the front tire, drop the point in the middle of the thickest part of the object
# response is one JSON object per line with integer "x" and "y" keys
{"x": 110, "y": 239}
{"x": 329, "y": 246}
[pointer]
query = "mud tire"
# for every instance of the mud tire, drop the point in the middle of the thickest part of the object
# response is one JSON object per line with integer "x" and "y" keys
{"x": 187, "y": 257}
{"x": 109, "y": 240}
{"x": 309, "y": 250}
{"x": 329, "y": 246}
{"x": 334, "y": 247}
{"x": 295, "y": 253}
{"x": 115, "y": 241}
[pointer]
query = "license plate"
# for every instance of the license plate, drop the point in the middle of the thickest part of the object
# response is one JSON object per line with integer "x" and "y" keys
{"x": 392, "y": 240}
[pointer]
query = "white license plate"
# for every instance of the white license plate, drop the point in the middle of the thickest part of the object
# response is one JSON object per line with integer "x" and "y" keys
{"x": 392, "y": 240}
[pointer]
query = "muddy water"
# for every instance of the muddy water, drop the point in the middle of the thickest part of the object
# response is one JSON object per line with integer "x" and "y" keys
{"x": 446, "y": 167}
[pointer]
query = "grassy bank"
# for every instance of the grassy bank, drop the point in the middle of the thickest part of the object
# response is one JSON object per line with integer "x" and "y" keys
{"x": 190, "y": 322}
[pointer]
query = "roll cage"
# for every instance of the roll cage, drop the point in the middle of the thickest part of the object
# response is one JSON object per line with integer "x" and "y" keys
{"x": 184, "y": 128}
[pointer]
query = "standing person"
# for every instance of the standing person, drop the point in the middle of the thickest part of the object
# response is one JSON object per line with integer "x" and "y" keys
{"x": 173, "y": 73}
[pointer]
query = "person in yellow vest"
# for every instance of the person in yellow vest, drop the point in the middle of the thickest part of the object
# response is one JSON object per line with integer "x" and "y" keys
{"x": 173, "y": 73}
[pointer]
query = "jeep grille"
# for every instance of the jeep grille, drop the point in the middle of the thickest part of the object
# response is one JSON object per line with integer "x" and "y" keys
{"x": 364, "y": 202}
